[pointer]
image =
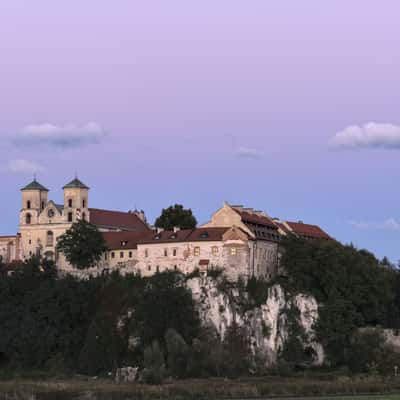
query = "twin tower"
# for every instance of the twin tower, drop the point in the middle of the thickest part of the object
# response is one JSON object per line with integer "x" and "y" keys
{"x": 37, "y": 209}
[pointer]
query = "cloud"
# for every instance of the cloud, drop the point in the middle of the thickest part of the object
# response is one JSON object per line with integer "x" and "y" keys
{"x": 67, "y": 136}
{"x": 368, "y": 136}
{"x": 389, "y": 224}
{"x": 24, "y": 166}
{"x": 248, "y": 152}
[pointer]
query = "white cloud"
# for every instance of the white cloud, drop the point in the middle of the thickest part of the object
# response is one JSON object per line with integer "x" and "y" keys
{"x": 389, "y": 224}
{"x": 248, "y": 152}
{"x": 24, "y": 166}
{"x": 68, "y": 135}
{"x": 368, "y": 136}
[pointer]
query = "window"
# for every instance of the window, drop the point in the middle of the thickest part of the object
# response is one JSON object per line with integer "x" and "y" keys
{"x": 42, "y": 205}
{"x": 84, "y": 216}
{"x": 69, "y": 203}
{"x": 121, "y": 254}
{"x": 28, "y": 218}
{"x": 30, "y": 241}
{"x": 197, "y": 251}
{"x": 214, "y": 250}
{"x": 233, "y": 251}
{"x": 204, "y": 235}
{"x": 130, "y": 254}
{"x": 158, "y": 268}
{"x": 50, "y": 238}
{"x": 165, "y": 252}
{"x": 83, "y": 203}
{"x": 112, "y": 255}
{"x": 149, "y": 267}
{"x": 175, "y": 267}
{"x": 174, "y": 252}
{"x": 146, "y": 253}
{"x": 70, "y": 217}
{"x": 28, "y": 204}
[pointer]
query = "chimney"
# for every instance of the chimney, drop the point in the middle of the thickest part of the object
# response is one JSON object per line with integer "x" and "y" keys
{"x": 159, "y": 230}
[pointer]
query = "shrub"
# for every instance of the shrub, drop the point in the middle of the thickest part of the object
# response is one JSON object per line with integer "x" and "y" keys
{"x": 154, "y": 364}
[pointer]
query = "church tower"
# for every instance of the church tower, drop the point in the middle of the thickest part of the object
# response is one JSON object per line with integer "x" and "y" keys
{"x": 34, "y": 200}
{"x": 76, "y": 199}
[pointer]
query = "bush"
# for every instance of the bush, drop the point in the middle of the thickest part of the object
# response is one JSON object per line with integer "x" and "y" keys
{"x": 154, "y": 364}
{"x": 178, "y": 352}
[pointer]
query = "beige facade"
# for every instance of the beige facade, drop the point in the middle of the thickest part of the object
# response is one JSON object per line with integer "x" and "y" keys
{"x": 9, "y": 248}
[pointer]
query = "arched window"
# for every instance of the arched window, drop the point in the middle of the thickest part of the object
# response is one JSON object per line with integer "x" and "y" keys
{"x": 28, "y": 218}
{"x": 50, "y": 238}
{"x": 28, "y": 204}
{"x": 83, "y": 203}
{"x": 70, "y": 203}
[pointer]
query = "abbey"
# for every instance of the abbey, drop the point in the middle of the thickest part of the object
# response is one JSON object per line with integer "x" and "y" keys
{"x": 241, "y": 241}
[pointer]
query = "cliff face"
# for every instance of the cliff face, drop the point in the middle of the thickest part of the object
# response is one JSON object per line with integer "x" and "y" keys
{"x": 267, "y": 325}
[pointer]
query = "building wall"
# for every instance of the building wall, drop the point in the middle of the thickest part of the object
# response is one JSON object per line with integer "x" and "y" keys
{"x": 226, "y": 217}
{"x": 9, "y": 248}
{"x": 264, "y": 256}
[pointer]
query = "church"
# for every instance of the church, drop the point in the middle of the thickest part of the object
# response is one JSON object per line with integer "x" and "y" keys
{"x": 241, "y": 241}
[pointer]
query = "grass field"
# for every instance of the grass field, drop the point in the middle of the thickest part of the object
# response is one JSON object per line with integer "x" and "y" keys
{"x": 316, "y": 387}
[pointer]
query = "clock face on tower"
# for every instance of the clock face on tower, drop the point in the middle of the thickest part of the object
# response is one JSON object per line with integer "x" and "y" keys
{"x": 50, "y": 213}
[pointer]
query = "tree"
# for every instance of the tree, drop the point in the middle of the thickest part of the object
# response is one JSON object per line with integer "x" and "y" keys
{"x": 154, "y": 365}
{"x": 176, "y": 216}
{"x": 82, "y": 245}
{"x": 177, "y": 354}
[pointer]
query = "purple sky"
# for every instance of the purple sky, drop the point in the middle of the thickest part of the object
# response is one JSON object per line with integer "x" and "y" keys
{"x": 208, "y": 101}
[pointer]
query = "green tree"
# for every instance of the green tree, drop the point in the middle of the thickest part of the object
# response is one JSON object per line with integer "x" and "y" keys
{"x": 82, "y": 244}
{"x": 154, "y": 364}
{"x": 351, "y": 286}
{"x": 176, "y": 216}
{"x": 177, "y": 354}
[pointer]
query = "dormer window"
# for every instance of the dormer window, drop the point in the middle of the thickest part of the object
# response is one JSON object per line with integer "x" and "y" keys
{"x": 204, "y": 235}
{"x": 124, "y": 243}
{"x": 157, "y": 237}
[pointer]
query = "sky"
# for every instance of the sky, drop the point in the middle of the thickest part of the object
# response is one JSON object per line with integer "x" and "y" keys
{"x": 289, "y": 107}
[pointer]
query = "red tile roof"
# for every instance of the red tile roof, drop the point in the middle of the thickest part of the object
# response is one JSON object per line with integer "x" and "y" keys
{"x": 187, "y": 235}
{"x": 117, "y": 219}
{"x": 306, "y": 230}
{"x": 123, "y": 239}
{"x": 253, "y": 218}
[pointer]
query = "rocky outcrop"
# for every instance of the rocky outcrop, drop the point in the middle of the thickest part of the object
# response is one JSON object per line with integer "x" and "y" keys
{"x": 267, "y": 325}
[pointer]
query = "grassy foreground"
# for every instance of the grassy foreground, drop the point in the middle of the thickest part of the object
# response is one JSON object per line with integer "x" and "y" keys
{"x": 267, "y": 387}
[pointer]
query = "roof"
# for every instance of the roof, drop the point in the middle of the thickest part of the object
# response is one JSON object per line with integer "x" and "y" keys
{"x": 254, "y": 218}
{"x": 35, "y": 185}
{"x": 59, "y": 207}
{"x": 75, "y": 184}
{"x": 187, "y": 235}
{"x": 117, "y": 219}
{"x": 122, "y": 239}
{"x": 308, "y": 231}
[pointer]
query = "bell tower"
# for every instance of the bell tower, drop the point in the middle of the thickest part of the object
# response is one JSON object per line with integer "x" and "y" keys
{"x": 34, "y": 200}
{"x": 76, "y": 199}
